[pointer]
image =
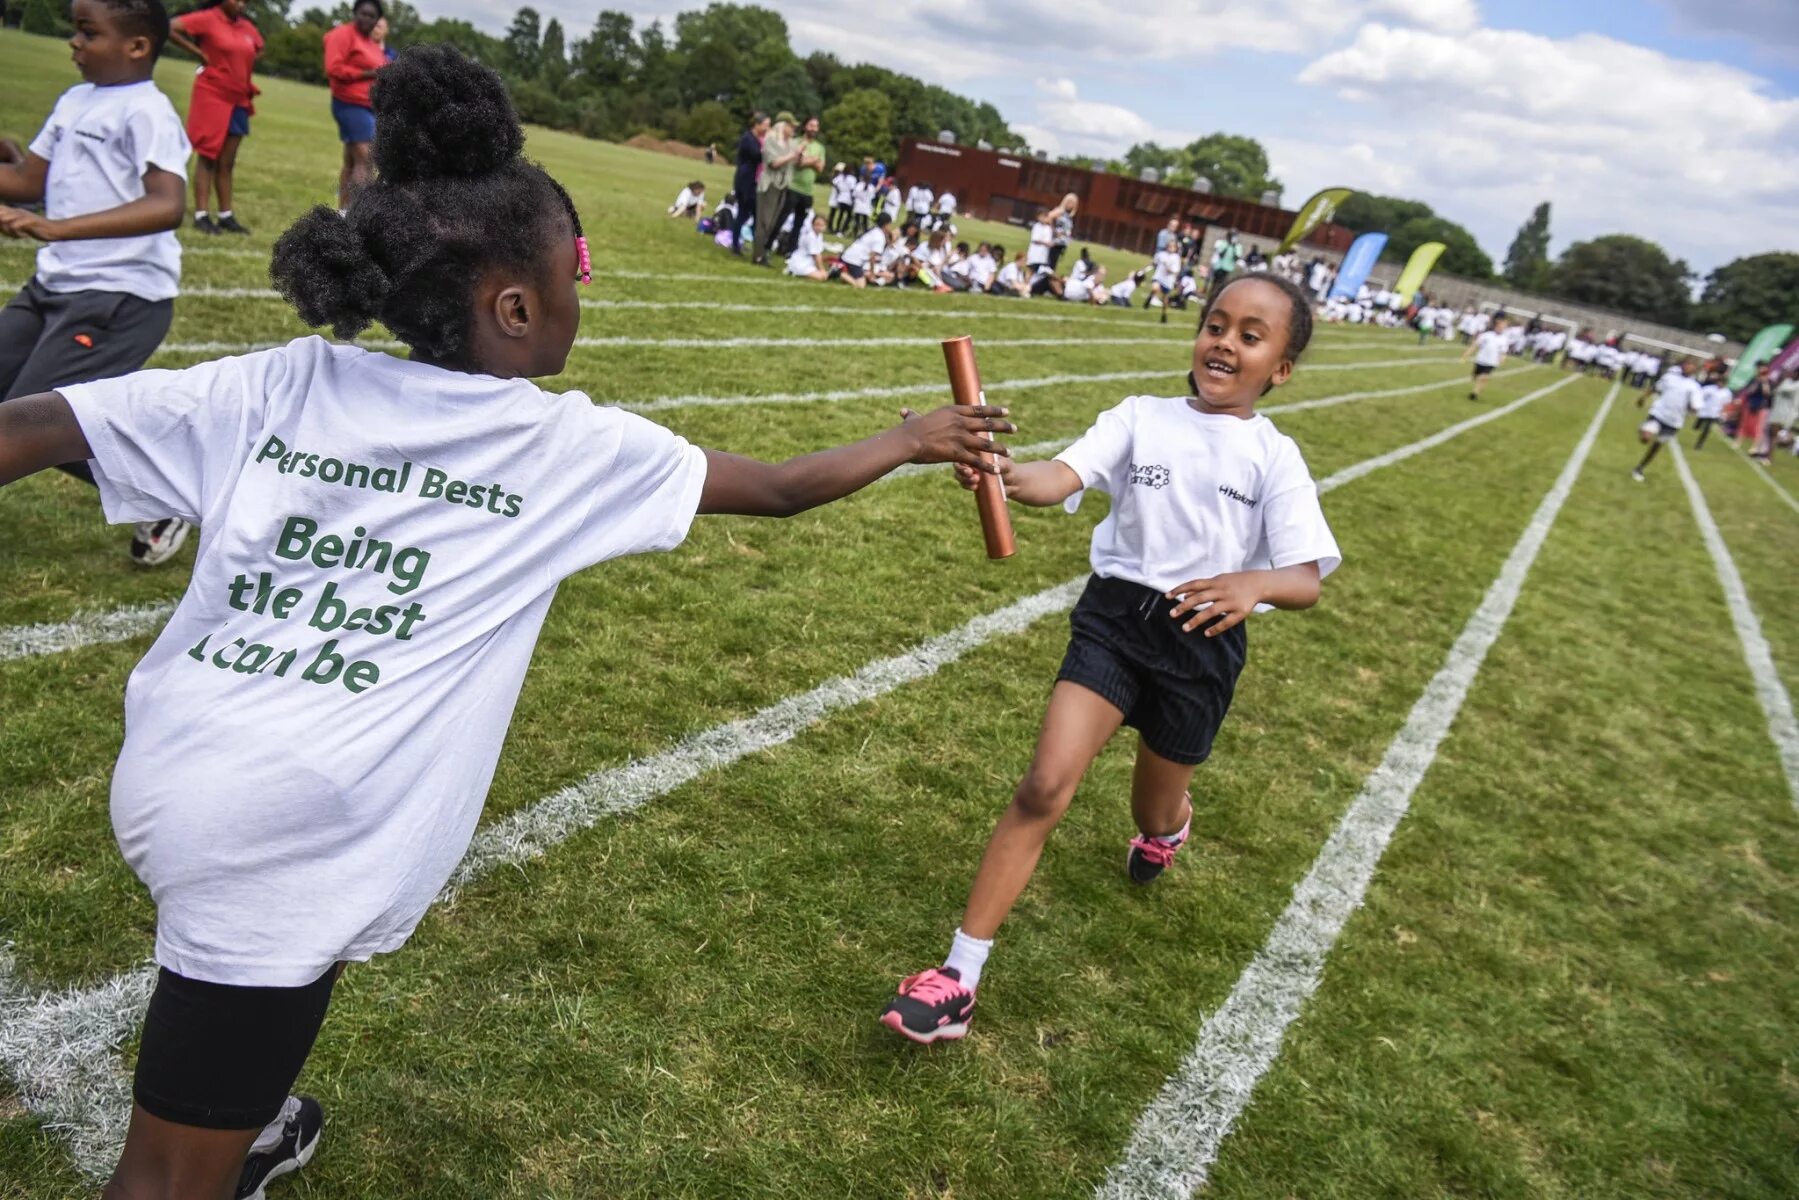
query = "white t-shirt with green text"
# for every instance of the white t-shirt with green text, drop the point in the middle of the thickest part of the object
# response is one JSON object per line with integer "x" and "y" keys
{"x": 309, "y": 743}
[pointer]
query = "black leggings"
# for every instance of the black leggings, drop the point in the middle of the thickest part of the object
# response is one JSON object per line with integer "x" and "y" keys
{"x": 1704, "y": 426}
{"x": 219, "y": 1056}
{"x": 746, "y": 209}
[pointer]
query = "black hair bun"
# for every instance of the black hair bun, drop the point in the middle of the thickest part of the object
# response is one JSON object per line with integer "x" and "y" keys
{"x": 440, "y": 113}
{"x": 323, "y": 267}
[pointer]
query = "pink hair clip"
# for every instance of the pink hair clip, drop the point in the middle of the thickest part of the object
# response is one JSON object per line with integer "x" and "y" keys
{"x": 586, "y": 261}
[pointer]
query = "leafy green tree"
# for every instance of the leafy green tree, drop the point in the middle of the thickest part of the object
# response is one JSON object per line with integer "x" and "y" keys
{"x": 1743, "y": 296}
{"x": 1527, "y": 261}
{"x": 861, "y": 125}
{"x": 1627, "y": 274}
{"x": 789, "y": 88}
{"x": 1462, "y": 255}
{"x": 1149, "y": 155}
{"x": 1364, "y": 212}
{"x": 524, "y": 44}
{"x": 45, "y": 17}
{"x": 735, "y": 25}
{"x": 1236, "y": 165}
{"x": 711, "y": 72}
{"x": 555, "y": 55}
{"x": 708, "y": 123}
{"x": 610, "y": 56}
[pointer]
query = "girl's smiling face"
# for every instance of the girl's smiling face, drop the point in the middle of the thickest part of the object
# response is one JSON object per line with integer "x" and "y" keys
{"x": 1241, "y": 350}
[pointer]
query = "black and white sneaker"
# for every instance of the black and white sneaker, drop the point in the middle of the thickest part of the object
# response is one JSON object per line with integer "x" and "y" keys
{"x": 230, "y": 225}
{"x": 204, "y": 224}
{"x": 302, "y": 1121}
{"x": 156, "y": 542}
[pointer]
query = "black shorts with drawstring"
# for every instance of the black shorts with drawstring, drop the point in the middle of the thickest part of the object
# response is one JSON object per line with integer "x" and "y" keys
{"x": 1173, "y": 687}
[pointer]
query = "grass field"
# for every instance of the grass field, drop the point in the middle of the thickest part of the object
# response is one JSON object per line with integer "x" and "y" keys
{"x": 1571, "y": 977}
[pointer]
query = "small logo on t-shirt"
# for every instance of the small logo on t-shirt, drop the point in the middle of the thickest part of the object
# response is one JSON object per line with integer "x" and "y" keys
{"x": 1224, "y": 489}
{"x": 1150, "y": 476}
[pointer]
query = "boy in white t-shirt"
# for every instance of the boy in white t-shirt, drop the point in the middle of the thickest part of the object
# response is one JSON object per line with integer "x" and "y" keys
{"x": 1488, "y": 351}
{"x": 1214, "y": 516}
{"x": 1714, "y": 397}
{"x": 310, "y": 741}
{"x": 1676, "y": 394}
{"x": 843, "y": 199}
{"x": 1164, "y": 281}
{"x": 110, "y": 166}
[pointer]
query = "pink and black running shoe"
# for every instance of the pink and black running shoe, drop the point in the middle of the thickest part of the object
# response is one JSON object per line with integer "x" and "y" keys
{"x": 930, "y": 1005}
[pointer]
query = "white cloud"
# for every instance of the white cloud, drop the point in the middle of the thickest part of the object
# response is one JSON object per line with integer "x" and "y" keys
{"x": 1446, "y": 16}
{"x": 1700, "y": 156}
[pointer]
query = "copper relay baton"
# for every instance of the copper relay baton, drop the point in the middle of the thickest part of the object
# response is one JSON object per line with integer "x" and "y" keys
{"x": 990, "y": 494}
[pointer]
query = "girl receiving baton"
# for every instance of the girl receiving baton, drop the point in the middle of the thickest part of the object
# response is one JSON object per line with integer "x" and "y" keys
{"x": 1214, "y": 516}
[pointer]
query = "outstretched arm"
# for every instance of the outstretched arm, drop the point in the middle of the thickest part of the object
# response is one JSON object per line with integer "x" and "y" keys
{"x": 1230, "y": 598}
{"x": 160, "y": 208}
{"x": 747, "y": 487}
{"x": 1039, "y": 484}
{"x": 37, "y": 433}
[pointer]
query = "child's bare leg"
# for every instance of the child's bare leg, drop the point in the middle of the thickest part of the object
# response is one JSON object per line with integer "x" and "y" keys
{"x": 163, "y": 1161}
{"x": 1075, "y": 729}
{"x": 1159, "y": 794}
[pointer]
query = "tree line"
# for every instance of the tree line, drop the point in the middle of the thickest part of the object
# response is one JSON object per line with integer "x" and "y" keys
{"x": 697, "y": 80}
{"x": 1634, "y": 275}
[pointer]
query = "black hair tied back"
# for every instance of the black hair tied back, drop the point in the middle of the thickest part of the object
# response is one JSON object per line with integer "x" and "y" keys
{"x": 453, "y": 200}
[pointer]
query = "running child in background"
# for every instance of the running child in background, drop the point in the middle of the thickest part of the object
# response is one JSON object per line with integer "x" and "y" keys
{"x": 1488, "y": 351}
{"x": 295, "y": 794}
{"x": 1676, "y": 394}
{"x": 1214, "y": 516}
{"x": 110, "y": 166}
{"x": 1713, "y": 398}
{"x": 223, "y": 101}
{"x": 691, "y": 202}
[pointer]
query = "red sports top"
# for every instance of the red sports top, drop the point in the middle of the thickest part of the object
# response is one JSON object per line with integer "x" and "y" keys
{"x": 231, "y": 49}
{"x": 347, "y": 55}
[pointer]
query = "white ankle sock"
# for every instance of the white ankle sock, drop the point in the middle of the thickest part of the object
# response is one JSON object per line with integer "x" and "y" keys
{"x": 1174, "y": 839}
{"x": 202, "y": 215}
{"x": 224, "y": 214}
{"x": 968, "y": 955}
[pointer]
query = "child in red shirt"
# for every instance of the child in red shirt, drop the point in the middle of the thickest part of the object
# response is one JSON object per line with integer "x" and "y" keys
{"x": 218, "y": 115}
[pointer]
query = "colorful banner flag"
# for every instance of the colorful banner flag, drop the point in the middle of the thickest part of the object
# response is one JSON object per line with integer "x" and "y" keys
{"x": 1417, "y": 270}
{"x": 1357, "y": 263}
{"x": 1786, "y": 363}
{"x": 1312, "y": 214}
{"x": 1761, "y": 348}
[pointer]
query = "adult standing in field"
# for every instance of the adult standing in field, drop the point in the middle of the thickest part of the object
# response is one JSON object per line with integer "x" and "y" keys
{"x": 798, "y": 205}
{"x": 780, "y": 154}
{"x": 743, "y": 185}
{"x": 1063, "y": 226}
{"x": 218, "y": 114}
{"x": 1758, "y": 398}
{"x": 352, "y": 56}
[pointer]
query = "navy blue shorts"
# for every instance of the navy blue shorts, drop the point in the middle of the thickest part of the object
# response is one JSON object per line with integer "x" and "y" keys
{"x": 355, "y": 122}
{"x": 1173, "y": 687}
{"x": 240, "y": 123}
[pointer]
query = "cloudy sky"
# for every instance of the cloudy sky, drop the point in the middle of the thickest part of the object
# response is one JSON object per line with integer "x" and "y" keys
{"x": 1674, "y": 119}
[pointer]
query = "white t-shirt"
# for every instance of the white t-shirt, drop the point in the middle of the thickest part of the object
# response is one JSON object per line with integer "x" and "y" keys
{"x": 843, "y": 189}
{"x": 982, "y": 268}
{"x": 1676, "y": 394}
{"x": 1168, "y": 267}
{"x": 1196, "y": 494}
{"x": 865, "y": 247}
{"x": 1037, "y": 254}
{"x": 1489, "y": 349}
{"x": 864, "y": 202}
{"x": 1713, "y": 398}
{"x": 946, "y": 204}
{"x": 1077, "y": 287}
{"x": 686, "y": 200}
{"x": 308, "y": 744}
{"x": 99, "y": 142}
{"x": 804, "y": 259}
{"x": 1011, "y": 277}
{"x": 1124, "y": 287}
{"x": 918, "y": 200}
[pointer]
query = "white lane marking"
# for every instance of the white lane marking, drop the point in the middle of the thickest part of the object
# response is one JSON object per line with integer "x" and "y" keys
{"x": 1438, "y": 438}
{"x": 937, "y": 387}
{"x": 83, "y": 629}
{"x": 58, "y": 1045}
{"x": 1177, "y": 1137}
{"x": 738, "y": 343}
{"x": 1767, "y": 474}
{"x": 123, "y": 624}
{"x": 1776, "y": 704}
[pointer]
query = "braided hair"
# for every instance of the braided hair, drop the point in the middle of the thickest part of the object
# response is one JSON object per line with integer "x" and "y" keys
{"x": 454, "y": 198}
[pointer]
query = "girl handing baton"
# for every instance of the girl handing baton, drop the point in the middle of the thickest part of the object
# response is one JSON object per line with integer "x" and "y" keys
{"x": 1214, "y": 516}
